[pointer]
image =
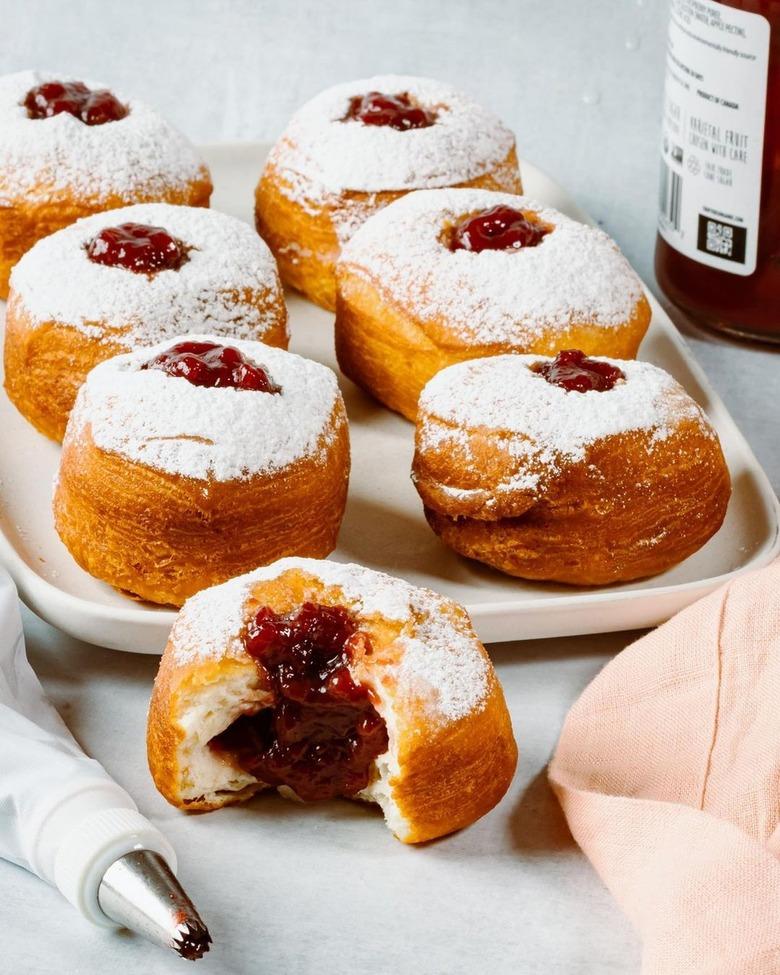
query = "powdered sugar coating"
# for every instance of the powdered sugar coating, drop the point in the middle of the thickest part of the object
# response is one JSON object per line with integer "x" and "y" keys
{"x": 44, "y": 159}
{"x": 440, "y": 662}
{"x": 544, "y": 426}
{"x": 223, "y": 434}
{"x": 576, "y": 274}
{"x": 321, "y": 156}
{"x": 228, "y": 263}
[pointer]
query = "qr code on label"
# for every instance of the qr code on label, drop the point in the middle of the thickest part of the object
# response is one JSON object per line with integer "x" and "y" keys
{"x": 720, "y": 238}
{"x": 725, "y": 240}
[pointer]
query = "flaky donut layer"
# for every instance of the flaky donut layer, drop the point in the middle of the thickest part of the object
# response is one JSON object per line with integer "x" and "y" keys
{"x": 451, "y": 753}
{"x": 163, "y": 537}
{"x": 625, "y": 504}
{"x": 31, "y": 219}
{"x": 46, "y": 364}
{"x": 329, "y": 173}
{"x": 166, "y": 487}
{"x": 409, "y": 306}
{"x": 55, "y": 170}
{"x": 304, "y": 236}
{"x": 67, "y": 313}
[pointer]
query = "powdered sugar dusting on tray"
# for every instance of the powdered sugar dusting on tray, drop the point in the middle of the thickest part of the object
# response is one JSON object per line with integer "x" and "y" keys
{"x": 321, "y": 155}
{"x": 576, "y": 274}
{"x": 552, "y": 426}
{"x": 42, "y": 158}
{"x": 165, "y": 422}
{"x": 441, "y": 662}
{"x": 227, "y": 265}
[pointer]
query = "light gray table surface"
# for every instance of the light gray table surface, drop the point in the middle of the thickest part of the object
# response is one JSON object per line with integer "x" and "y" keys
{"x": 327, "y": 889}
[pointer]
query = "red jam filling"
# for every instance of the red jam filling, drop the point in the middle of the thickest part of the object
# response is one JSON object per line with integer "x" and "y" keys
{"x": 574, "y": 371}
{"x": 91, "y": 107}
{"x": 137, "y": 247}
{"x": 322, "y": 734}
{"x": 499, "y": 229}
{"x": 209, "y": 364}
{"x": 397, "y": 111}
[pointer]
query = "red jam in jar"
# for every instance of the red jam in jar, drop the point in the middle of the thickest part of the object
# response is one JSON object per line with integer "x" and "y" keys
{"x": 574, "y": 371}
{"x": 500, "y": 228}
{"x": 718, "y": 247}
{"x": 137, "y": 247}
{"x": 397, "y": 111}
{"x": 75, "y": 98}
{"x": 322, "y": 733}
{"x": 210, "y": 364}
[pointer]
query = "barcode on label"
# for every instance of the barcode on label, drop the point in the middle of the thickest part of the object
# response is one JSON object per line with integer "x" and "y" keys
{"x": 671, "y": 195}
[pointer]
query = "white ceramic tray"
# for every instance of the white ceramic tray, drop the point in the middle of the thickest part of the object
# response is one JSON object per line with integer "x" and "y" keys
{"x": 384, "y": 526}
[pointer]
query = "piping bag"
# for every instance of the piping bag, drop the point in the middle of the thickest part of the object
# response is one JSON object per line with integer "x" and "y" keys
{"x": 65, "y": 819}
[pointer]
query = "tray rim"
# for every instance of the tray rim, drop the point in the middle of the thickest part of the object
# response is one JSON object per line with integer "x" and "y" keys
{"x": 85, "y": 619}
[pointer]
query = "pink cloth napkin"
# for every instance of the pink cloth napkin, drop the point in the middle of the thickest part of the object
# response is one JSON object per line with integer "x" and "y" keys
{"x": 668, "y": 771}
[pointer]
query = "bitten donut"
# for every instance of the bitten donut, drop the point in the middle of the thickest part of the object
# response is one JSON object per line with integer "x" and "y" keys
{"x": 326, "y": 680}
{"x": 188, "y": 463}
{"x": 70, "y": 148}
{"x": 357, "y": 147}
{"x": 447, "y": 275}
{"x": 577, "y": 470}
{"x": 132, "y": 277}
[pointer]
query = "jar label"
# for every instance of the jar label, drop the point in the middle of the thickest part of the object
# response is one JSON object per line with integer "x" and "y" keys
{"x": 713, "y": 133}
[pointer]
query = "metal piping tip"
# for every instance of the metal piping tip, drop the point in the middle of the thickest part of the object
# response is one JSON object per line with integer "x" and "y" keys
{"x": 140, "y": 892}
{"x": 192, "y": 939}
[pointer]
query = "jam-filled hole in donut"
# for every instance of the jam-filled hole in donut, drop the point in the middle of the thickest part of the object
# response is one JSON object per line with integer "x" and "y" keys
{"x": 499, "y": 228}
{"x": 321, "y": 735}
{"x": 90, "y": 106}
{"x": 138, "y": 247}
{"x": 213, "y": 365}
{"x": 573, "y": 371}
{"x": 399, "y": 111}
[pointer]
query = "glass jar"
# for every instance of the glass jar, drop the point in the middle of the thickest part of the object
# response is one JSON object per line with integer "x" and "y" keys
{"x": 718, "y": 248}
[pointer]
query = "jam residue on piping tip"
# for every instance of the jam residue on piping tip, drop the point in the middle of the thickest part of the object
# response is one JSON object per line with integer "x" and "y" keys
{"x": 500, "y": 228}
{"x": 210, "y": 364}
{"x": 396, "y": 111}
{"x": 137, "y": 247}
{"x": 322, "y": 733}
{"x": 92, "y": 107}
{"x": 572, "y": 370}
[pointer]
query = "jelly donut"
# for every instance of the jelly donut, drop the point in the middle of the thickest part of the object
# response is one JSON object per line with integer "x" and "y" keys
{"x": 447, "y": 275}
{"x": 326, "y": 680}
{"x": 131, "y": 277}
{"x": 190, "y": 462}
{"x": 357, "y": 147}
{"x": 572, "y": 469}
{"x": 68, "y": 149}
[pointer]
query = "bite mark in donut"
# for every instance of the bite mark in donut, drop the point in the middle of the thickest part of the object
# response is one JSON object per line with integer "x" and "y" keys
{"x": 322, "y": 733}
{"x": 92, "y": 107}
{"x": 501, "y": 228}
{"x": 572, "y": 370}
{"x": 449, "y": 755}
{"x": 210, "y": 364}
{"x": 397, "y": 111}
{"x": 137, "y": 247}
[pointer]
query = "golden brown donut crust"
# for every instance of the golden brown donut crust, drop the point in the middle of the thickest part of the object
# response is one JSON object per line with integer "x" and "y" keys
{"x": 163, "y": 537}
{"x": 449, "y": 775}
{"x": 633, "y": 507}
{"x": 391, "y": 354}
{"x": 26, "y": 221}
{"x": 46, "y": 363}
{"x": 304, "y": 240}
